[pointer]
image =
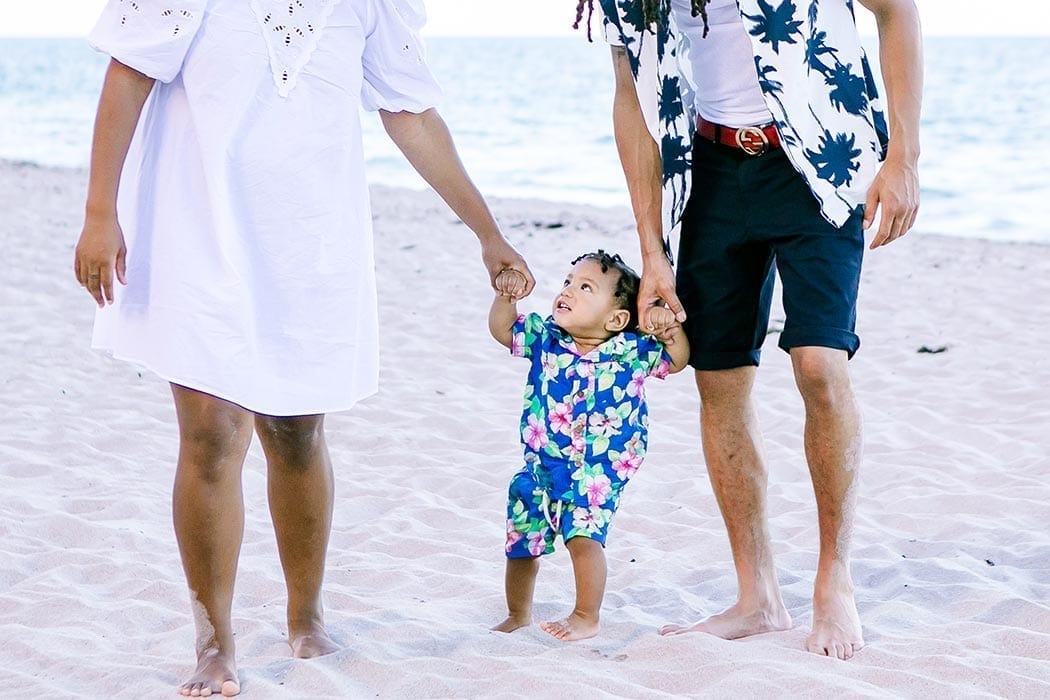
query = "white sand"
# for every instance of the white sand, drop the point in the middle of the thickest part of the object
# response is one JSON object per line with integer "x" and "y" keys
{"x": 952, "y": 547}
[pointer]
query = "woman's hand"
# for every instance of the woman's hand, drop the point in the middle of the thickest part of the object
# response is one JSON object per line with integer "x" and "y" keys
{"x": 500, "y": 258}
{"x": 100, "y": 255}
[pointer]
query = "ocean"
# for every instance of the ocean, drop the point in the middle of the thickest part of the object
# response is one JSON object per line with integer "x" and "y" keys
{"x": 532, "y": 118}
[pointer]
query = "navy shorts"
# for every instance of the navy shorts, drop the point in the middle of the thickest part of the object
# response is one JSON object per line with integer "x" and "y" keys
{"x": 747, "y": 218}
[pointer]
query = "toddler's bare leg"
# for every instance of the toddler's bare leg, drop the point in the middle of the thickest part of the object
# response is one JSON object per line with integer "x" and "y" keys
{"x": 519, "y": 584}
{"x": 588, "y": 566}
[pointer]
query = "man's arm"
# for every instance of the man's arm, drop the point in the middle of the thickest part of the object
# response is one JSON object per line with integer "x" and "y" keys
{"x": 427, "y": 144}
{"x": 100, "y": 252}
{"x": 640, "y": 158}
{"x": 896, "y": 186}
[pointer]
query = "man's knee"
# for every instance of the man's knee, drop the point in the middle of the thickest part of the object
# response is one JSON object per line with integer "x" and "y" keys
{"x": 822, "y": 376}
{"x": 727, "y": 390}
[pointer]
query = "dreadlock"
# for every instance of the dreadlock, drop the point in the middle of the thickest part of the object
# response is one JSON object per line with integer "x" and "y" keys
{"x": 653, "y": 11}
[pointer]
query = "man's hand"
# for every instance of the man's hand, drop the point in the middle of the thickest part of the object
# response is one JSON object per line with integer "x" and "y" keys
{"x": 896, "y": 192}
{"x": 657, "y": 289}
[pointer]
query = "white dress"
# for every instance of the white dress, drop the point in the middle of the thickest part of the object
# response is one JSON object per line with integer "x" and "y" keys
{"x": 243, "y": 200}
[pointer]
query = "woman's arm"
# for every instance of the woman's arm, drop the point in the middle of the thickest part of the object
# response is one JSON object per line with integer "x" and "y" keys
{"x": 427, "y": 144}
{"x": 100, "y": 251}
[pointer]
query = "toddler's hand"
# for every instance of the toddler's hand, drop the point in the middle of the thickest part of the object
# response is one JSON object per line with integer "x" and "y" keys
{"x": 511, "y": 283}
{"x": 661, "y": 322}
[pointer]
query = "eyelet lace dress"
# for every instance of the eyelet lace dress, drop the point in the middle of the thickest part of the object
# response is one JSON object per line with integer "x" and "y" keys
{"x": 243, "y": 200}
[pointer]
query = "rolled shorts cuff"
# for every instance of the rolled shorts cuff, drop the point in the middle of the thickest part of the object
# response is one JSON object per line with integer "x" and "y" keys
{"x": 836, "y": 338}
{"x": 713, "y": 361}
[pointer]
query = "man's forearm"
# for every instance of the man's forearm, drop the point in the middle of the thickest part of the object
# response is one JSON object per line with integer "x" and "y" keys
{"x": 640, "y": 158}
{"x": 900, "y": 53}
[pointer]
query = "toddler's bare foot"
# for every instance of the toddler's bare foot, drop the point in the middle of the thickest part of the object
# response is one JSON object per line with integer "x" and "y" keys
{"x": 572, "y": 628}
{"x": 216, "y": 673}
{"x": 513, "y": 622}
{"x": 310, "y": 641}
{"x": 737, "y": 622}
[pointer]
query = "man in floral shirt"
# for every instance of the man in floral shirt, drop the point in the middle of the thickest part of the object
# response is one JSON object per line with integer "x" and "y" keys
{"x": 776, "y": 104}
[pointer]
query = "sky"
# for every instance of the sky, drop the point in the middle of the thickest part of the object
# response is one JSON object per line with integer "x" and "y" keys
{"x": 554, "y": 17}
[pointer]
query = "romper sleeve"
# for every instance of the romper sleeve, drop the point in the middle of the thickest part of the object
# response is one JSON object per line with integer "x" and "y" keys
{"x": 653, "y": 357}
{"x": 528, "y": 335}
{"x": 150, "y": 36}
{"x": 397, "y": 78}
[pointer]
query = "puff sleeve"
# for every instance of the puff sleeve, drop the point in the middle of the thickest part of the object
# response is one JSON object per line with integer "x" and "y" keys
{"x": 397, "y": 78}
{"x": 147, "y": 35}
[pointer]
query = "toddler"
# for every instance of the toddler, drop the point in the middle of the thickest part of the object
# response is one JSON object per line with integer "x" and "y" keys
{"x": 584, "y": 425}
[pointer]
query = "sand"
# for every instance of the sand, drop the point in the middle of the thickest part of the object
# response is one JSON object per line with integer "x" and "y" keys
{"x": 952, "y": 544}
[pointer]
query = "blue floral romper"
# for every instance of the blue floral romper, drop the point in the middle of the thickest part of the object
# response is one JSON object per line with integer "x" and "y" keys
{"x": 584, "y": 430}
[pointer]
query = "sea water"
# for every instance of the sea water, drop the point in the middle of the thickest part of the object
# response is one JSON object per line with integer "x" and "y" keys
{"x": 533, "y": 118}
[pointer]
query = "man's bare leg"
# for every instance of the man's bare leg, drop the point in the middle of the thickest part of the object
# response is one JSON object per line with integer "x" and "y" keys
{"x": 209, "y": 523}
{"x": 301, "y": 493}
{"x": 733, "y": 451}
{"x": 519, "y": 584}
{"x": 590, "y": 572}
{"x": 833, "y": 446}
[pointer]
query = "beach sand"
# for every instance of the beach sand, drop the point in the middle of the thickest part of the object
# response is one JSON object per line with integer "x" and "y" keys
{"x": 952, "y": 542}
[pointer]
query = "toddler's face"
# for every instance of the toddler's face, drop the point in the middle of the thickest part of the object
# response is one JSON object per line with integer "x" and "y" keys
{"x": 587, "y": 300}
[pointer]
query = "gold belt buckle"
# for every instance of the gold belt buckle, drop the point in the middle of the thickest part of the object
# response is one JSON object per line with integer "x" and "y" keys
{"x": 752, "y": 140}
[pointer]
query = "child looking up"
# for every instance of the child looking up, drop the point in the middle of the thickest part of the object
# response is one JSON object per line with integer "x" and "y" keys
{"x": 584, "y": 425}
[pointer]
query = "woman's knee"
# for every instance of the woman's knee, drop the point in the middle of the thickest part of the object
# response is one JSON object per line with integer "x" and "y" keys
{"x": 292, "y": 439}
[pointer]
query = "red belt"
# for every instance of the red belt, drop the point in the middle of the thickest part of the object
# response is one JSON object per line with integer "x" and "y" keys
{"x": 752, "y": 140}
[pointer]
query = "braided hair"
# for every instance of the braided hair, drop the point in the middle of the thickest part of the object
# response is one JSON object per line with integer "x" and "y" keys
{"x": 653, "y": 11}
{"x": 626, "y": 292}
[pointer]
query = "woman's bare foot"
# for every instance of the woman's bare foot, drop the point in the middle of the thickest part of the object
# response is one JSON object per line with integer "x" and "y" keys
{"x": 310, "y": 641}
{"x": 513, "y": 622}
{"x": 572, "y": 628}
{"x": 836, "y": 625}
{"x": 737, "y": 622}
{"x": 216, "y": 673}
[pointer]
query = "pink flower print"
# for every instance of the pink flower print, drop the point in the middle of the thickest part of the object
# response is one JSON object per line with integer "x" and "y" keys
{"x": 597, "y": 489}
{"x": 550, "y": 366}
{"x": 535, "y": 433}
{"x": 517, "y": 345}
{"x": 585, "y": 369}
{"x": 636, "y": 387}
{"x": 626, "y": 465}
{"x": 537, "y": 542}
{"x": 579, "y": 442}
{"x": 634, "y": 446}
{"x": 560, "y": 418}
{"x": 661, "y": 369}
{"x": 513, "y": 536}
{"x": 606, "y": 424}
{"x": 589, "y": 519}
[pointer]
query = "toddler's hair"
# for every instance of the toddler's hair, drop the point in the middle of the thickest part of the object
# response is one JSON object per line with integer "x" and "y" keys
{"x": 626, "y": 291}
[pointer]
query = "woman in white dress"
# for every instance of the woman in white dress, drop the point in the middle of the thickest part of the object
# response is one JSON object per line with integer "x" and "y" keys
{"x": 227, "y": 196}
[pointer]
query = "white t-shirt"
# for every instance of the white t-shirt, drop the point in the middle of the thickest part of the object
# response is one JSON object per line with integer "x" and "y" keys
{"x": 243, "y": 200}
{"x": 721, "y": 66}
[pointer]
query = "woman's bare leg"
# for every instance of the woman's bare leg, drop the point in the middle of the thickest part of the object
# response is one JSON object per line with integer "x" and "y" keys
{"x": 209, "y": 523}
{"x": 301, "y": 492}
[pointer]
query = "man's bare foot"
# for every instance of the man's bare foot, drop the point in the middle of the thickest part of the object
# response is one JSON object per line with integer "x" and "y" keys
{"x": 513, "y": 622}
{"x": 736, "y": 622}
{"x": 836, "y": 625}
{"x": 310, "y": 641}
{"x": 572, "y": 628}
{"x": 216, "y": 673}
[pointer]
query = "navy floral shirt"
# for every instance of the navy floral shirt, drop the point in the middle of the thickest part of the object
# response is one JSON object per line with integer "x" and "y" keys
{"x": 585, "y": 409}
{"x": 815, "y": 79}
